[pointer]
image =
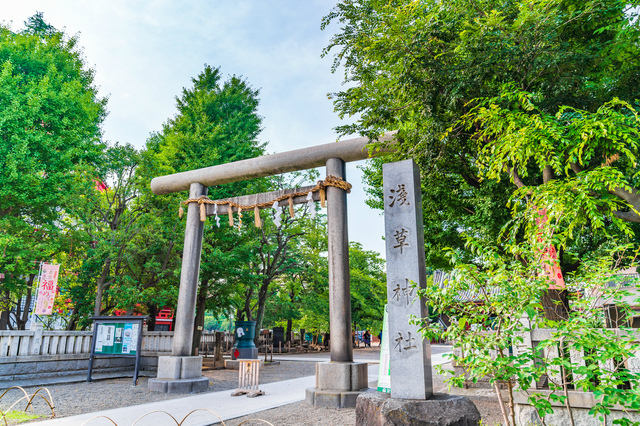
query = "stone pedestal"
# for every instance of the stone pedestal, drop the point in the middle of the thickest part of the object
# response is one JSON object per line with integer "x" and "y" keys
{"x": 379, "y": 409}
{"x": 338, "y": 384}
{"x": 179, "y": 374}
{"x": 244, "y": 353}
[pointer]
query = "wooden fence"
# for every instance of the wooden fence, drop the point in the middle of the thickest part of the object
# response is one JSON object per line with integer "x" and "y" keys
{"x": 41, "y": 343}
{"x": 576, "y": 357}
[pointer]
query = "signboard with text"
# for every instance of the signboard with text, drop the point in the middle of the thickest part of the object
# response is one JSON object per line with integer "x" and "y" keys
{"x": 117, "y": 337}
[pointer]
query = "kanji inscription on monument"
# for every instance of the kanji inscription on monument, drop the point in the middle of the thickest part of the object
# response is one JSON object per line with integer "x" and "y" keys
{"x": 404, "y": 234}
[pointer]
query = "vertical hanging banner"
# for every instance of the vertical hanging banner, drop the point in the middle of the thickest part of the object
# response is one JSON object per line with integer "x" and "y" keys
{"x": 384, "y": 370}
{"x": 550, "y": 256}
{"x": 48, "y": 284}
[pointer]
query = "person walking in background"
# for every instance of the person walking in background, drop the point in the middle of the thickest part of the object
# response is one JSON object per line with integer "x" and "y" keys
{"x": 367, "y": 339}
{"x": 380, "y": 339}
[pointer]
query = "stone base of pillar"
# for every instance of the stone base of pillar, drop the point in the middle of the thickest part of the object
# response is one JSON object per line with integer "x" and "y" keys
{"x": 379, "y": 409}
{"x": 338, "y": 384}
{"x": 179, "y": 374}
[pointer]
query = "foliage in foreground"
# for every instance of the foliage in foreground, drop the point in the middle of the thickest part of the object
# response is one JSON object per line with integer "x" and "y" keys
{"x": 493, "y": 309}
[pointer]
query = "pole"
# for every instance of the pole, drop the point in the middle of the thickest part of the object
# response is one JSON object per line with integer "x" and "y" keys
{"x": 35, "y": 299}
{"x": 339, "y": 291}
{"x": 186, "y": 309}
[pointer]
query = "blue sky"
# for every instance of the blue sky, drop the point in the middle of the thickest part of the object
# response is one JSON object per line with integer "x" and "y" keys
{"x": 145, "y": 52}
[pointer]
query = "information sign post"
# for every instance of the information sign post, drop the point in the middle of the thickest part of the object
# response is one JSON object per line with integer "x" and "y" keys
{"x": 117, "y": 337}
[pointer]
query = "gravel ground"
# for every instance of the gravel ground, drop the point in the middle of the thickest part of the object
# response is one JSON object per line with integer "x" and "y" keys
{"x": 79, "y": 398}
{"x": 298, "y": 414}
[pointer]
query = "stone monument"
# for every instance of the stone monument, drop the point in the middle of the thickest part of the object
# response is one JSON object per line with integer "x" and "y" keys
{"x": 410, "y": 354}
{"x": 411, "y": 400}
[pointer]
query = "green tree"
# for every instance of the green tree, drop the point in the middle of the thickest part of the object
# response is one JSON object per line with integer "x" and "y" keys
{"x": 368, "y": 287}
{"x": 216, "y": 123}
{"x": 50, "y": 117}
{"x": 527, "y": 108}
{"x": 421, "y": 67}
{"x": 277, "y": 253}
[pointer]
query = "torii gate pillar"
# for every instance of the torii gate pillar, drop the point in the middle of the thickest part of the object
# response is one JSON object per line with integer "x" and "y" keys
{"x": 340, "y": 381}
{"x": 339, "y": 285}
{"x": 181, "y": 372}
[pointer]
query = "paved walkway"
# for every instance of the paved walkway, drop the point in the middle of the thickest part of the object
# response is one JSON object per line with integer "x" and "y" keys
{"x": 222, "y": 403}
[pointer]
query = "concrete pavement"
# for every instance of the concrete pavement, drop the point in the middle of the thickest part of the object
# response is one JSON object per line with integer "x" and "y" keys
{"x": 221, "y": 403}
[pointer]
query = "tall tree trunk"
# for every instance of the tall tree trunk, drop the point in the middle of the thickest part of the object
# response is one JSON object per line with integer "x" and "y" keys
{"x": 101, "y": 287}
{"x": 556, "y": 304}
{"x": 4, "y": 320}
{"x": 6, "y": 310}
{"x": 23, "y": 317}
{"x": 73, "y": 320}
{"x": 289, "y": 326}
{"x": 292, "y": 296}
{"x": 153, "y": 313}
{"x": 246, "y": 310}
{"x": 201, "y": 305}
{"x": 262, "y": 300}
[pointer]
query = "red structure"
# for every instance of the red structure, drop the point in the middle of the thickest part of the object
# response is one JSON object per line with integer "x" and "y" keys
{"x": 164, "y": 320}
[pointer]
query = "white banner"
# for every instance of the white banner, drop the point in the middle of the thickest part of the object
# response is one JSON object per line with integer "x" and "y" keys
{"x": 384, "y": 369}
{"x": 48, "y": 284}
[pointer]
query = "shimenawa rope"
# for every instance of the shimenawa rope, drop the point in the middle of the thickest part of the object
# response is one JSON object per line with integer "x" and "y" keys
{"x": 320, "y": 186}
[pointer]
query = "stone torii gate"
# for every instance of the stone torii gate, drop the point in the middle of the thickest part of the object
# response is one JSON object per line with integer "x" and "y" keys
{"x": 339, "y": 381}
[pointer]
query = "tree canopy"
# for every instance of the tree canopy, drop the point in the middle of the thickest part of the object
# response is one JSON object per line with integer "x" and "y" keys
{"x": 50, "y": 141}
{"x": 466, "y": 83}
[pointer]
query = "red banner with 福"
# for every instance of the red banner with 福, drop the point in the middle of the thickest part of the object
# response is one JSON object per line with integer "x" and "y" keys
{"x": 550, "y": 256}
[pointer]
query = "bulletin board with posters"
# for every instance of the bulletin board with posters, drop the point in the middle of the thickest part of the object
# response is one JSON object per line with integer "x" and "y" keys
{"x": 117, "y": 337}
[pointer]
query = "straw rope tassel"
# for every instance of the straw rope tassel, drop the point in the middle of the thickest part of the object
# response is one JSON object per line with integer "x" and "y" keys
{"x": 203, "y": 212}
{"x": 321, "y": 187}
{"x": 239, "y": 217}
{"x": 292, "y": 213}
{"x": 256, "y": 214}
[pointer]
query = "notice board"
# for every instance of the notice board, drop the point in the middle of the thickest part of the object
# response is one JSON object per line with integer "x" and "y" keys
{"x": 117, "y": 337}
